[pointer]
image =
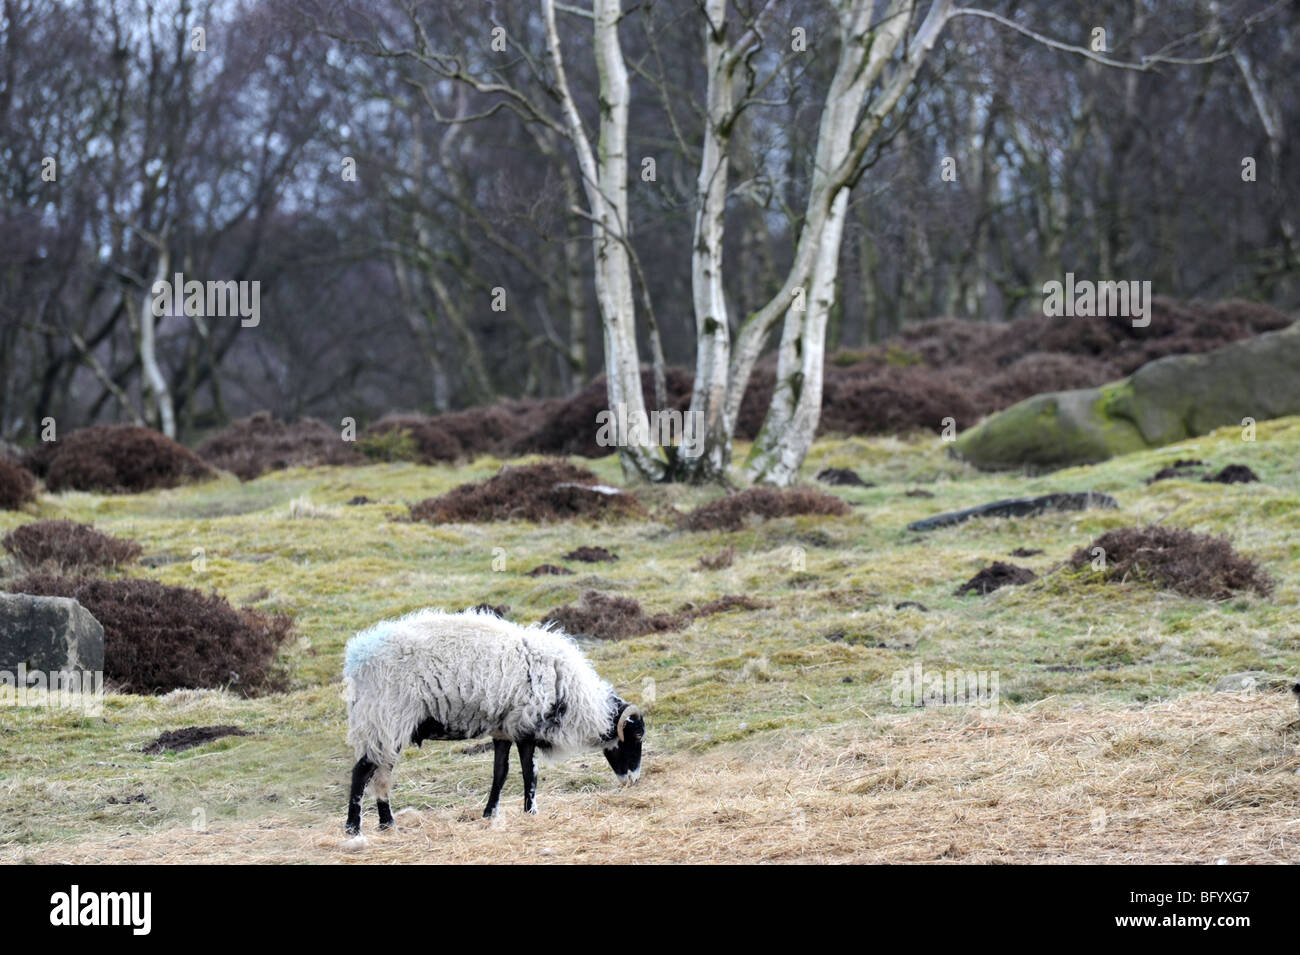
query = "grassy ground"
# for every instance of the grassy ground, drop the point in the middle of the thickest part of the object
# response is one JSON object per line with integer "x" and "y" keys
{"x": 773, "y": 733}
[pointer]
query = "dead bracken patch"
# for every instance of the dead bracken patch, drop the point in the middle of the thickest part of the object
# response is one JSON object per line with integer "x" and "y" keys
{"x": 994, "y": 576}
{"x": 68, "y": 546}
{"x": 843, "y": 477}
{"x": 550, "y": 491}
{"x": 1192, "y": 564}
{"x": 590, "y": 555}
{"x": 115, "y": 459}
{"x": 175, "y": 741}
{"x": 919, "y": 492}
{"x": 1024, "y": 552}
{"x": 730, "y": 513}
{"x": 17, "y": 485}
{"x": 549, "y": 570}
{"x": 159, "y": 638}
{"x": 608, "y": 617}
{"x": 719, "y": 561}
{"x": 254, "y": 445}
{"x": 1233, "y": 474}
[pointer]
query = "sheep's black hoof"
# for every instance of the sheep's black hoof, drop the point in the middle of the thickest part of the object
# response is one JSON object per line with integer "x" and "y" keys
{"x": 531, "y": 810}
{"x": 385, "y": 826}
{"x": 489, "y": 812}
{"x": 352, "y": 828}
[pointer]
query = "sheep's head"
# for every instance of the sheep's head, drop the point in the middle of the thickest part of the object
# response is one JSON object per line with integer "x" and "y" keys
{"x": 624, "y": 750}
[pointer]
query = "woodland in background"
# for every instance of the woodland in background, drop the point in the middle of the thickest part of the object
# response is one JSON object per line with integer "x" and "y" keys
{"x": 377, "y": 293}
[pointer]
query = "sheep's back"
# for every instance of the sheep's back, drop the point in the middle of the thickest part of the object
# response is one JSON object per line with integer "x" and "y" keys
{"x": 472, "y": 674}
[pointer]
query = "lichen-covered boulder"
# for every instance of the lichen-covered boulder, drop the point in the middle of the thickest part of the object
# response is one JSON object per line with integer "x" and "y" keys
{"x": 48, "y": 634}
{"x": 1168, "y": 400}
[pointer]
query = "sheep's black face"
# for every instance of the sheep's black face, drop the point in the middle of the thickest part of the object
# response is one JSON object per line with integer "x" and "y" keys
{"x": 624, "y": 752}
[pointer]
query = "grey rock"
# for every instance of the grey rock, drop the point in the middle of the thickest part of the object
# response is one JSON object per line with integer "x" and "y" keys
{"x": 51, "y": 634}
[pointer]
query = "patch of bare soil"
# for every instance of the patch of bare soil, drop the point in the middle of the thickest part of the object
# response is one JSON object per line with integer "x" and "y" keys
{"x": 551, "y": 570}
{"x": 176, "y": 741}
{"x": 1024, "y": 552}
{"x": 842, "y": 477}
{"x": 994, "y": 577}
{"x": 1233, "y": 474}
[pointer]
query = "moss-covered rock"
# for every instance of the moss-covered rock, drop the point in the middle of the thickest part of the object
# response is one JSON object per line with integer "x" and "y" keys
{"x": 1168, "y": 400}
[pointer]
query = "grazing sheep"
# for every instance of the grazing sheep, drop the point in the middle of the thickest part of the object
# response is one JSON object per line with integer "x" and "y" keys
{"x": 438, "y": 675}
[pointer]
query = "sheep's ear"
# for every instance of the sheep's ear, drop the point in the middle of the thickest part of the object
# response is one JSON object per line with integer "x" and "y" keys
{"x": 629, "y": 712}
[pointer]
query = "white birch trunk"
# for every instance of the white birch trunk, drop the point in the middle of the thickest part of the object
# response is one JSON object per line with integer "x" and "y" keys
{"x": 792, "y": 418}
{"x": 712, "y": 327}
{"x": 605, "y": 183}
{"x": 159, "y": 394}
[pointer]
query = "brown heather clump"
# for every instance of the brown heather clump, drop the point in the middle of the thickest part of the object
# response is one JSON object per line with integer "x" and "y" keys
{"x": 893, "y": 400}
{"x": 409, "y": 438}
{"x": 608, "y": 617}
{"x": 159, "y": 638}
{"x": 550, "y": 491}
{"x": 1194, "y": 565}
{"x": 116, "y": 459}
{"x": 590, "y": 555}
{"x": 730, "y": 513}
{"x": 571, "y": 426}
{"x": 257, "y": 444}
{"x": 68, "y": 546}
{"x": 17, "y": 485}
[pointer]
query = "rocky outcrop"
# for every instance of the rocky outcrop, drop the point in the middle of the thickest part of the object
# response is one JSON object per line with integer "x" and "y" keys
{"x": 1168, "y": 400}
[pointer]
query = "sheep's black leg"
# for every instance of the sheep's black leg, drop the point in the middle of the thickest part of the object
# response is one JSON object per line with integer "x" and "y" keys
{"x": 383, "y": 783}
{"x": 530, "y": 775}
{"x": 361, "y": 774}
{"x": 500, "y": 769}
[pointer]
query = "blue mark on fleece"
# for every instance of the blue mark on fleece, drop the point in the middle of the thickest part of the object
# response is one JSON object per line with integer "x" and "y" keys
{"x": 365, "y": 645}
